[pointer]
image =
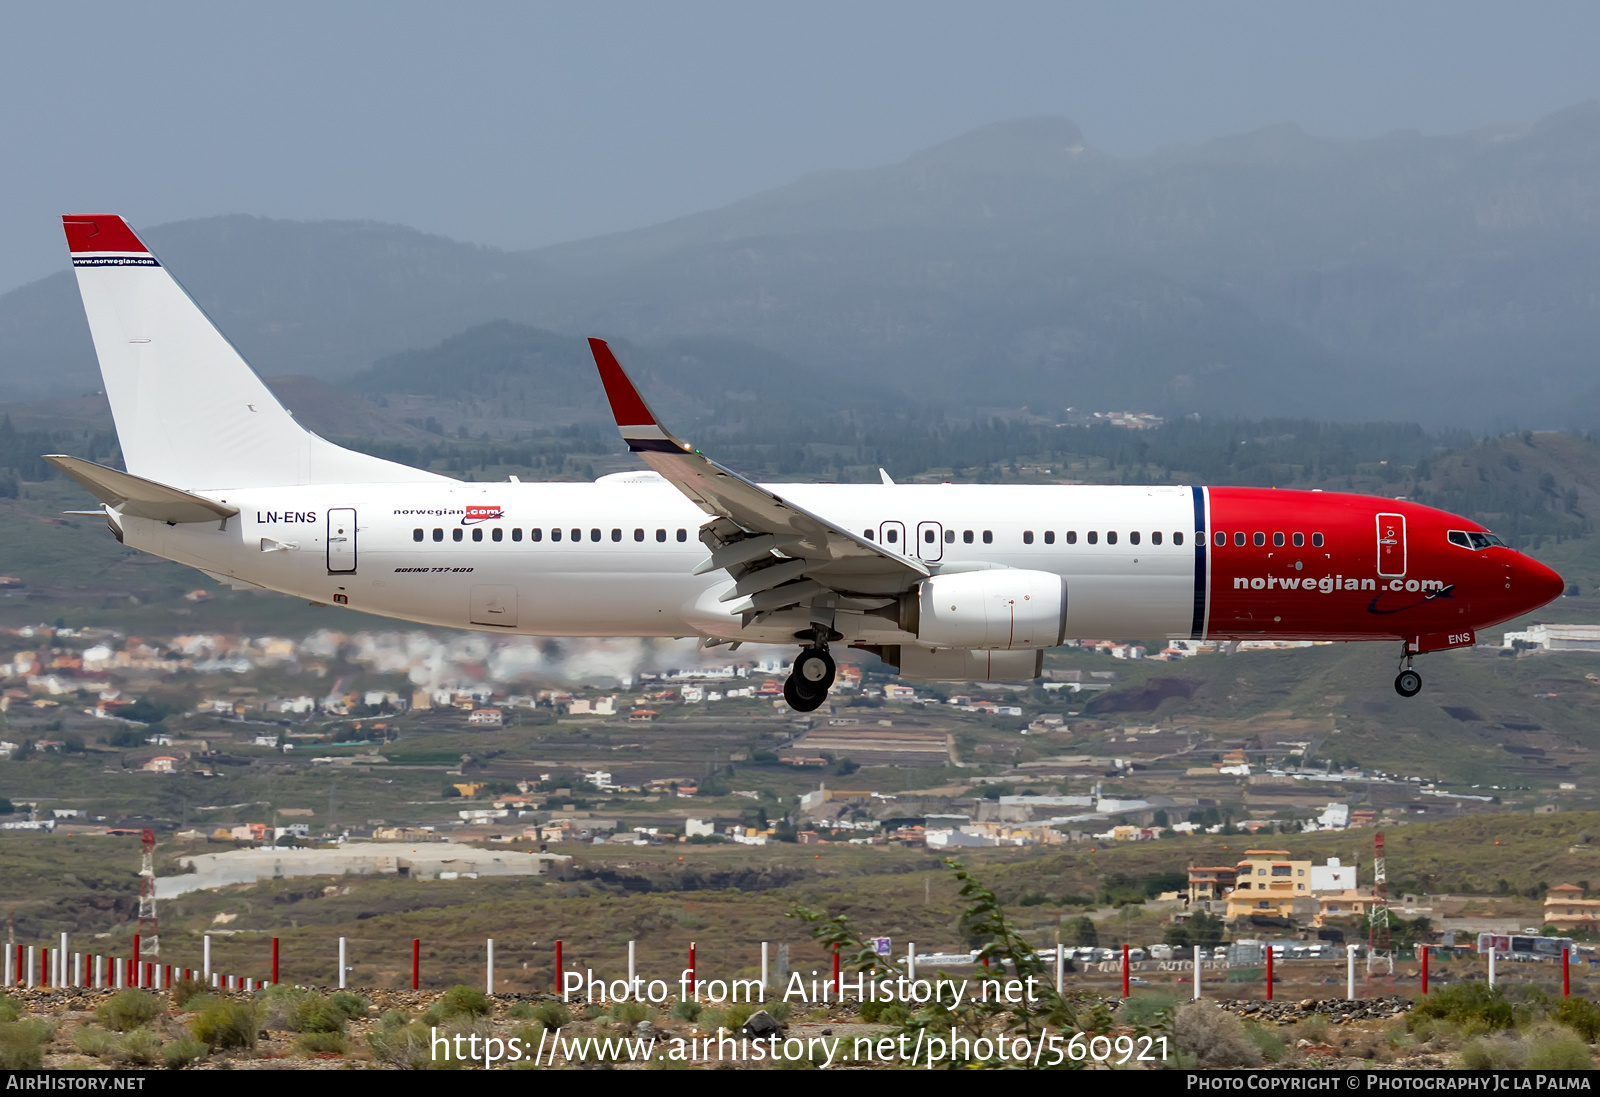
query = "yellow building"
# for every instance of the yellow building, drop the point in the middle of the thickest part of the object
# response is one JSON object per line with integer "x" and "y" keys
{"x": 1269, "y": 883}
{"x": 1567, "y": 909}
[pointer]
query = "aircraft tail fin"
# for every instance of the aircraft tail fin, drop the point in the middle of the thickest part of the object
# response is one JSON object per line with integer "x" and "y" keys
{"x": 189, "y": 410}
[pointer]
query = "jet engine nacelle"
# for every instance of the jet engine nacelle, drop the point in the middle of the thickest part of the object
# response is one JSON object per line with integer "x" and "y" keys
{"x": 1000, "y": 609}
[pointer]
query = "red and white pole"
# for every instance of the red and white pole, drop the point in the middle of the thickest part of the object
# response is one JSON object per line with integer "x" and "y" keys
{"x": 1424, "y": 950}
{"x": 416, "y": 962}
{"x": 274, "y": 961}
{"x": 1125, "y": 972}
{"x": 558, "y": 968}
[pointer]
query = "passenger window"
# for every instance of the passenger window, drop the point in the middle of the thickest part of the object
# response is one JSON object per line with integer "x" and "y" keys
{"x": 555, "y": 534}
{"x": 477, "y": 534}
{"x": 1072, "y": 537}
{"x": 1133, "y": 538}
{"x": 927, "y": 535}
{"x": 1220, "y": 539}
{"x": 1277, "y": 540}
{"x": 683, "y": 535}
{"x": 638, "y": 535}
{"x": 516, "y": 533}
{"x": 1027, "y": 537}
{"x": 1260, "y": 539}
{"x": 988, "y": 537}
{"x": 616, "y": 535}
{"x": 891, "y": 535}
{"x": 537, "y": 534}
{"x": 1111, "y": 537}
{"x": 416, "y": 535}
{"x": 497, "y": 534}
{"x": 966, "y": 537}
{"x": 455, "y": 535}
{"x": 577, "y": 535}
{"x": 1299, "y": 540}
{"x": 1049, "y": 536}
{"x": 594, "y": 535}
{"x": 1177, "y": 538}
{"x": 1094, "y": 537}
{"x": 661, "y": 535}
{"x": 438, "y": 534}
{"x": 1459, "y": 538}
{"x": 1238, "y": 540}
{"x": 1155, "y": 537}
{"x": 949, "y": 536}
{"x": 867, "y": 533}
{"x": 1316, "y": 540}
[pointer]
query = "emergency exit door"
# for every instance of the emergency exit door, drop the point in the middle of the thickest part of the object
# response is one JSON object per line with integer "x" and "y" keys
{"x": 1391, "y": 544}
{"x": 341, "y": 540}
{"x": 930, "y": 542}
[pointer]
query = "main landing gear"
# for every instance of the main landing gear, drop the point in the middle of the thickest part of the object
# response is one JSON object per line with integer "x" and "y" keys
{"x": 811, "y": 677}
{"x": 1408, "y": 683}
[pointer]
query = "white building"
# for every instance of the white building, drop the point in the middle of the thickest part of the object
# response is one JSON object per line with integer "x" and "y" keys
{"x": 698, "y": 828}
{"x": 1557, "y": 637}
{"x": 1333, "y": 876}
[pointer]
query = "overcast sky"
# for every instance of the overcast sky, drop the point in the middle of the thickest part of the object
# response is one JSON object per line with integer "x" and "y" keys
{"x": 524, "y": 124}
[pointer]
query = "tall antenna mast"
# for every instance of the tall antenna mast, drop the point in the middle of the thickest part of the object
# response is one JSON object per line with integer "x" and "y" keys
{"x": 149, "y": 929}
{"x": 1380, "y": 952}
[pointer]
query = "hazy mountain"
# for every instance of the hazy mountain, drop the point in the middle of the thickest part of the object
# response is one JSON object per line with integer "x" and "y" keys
{"x": 1447, "y": 279}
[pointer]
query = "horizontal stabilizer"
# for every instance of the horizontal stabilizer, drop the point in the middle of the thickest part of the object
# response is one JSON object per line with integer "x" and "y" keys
{"x": 140, "y": 497}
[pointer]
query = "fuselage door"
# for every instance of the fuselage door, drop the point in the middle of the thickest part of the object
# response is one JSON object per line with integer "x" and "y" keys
{"x": 930, "y": 541}
{"x": 341, "y": 540}
{"x": 892, "y": 535}
{"x": 1391, "y": 544}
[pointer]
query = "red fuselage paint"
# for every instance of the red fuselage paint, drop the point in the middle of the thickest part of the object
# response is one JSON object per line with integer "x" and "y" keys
{"x": 1383, "y": 570}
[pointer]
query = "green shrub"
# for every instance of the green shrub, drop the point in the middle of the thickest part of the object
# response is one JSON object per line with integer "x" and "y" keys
{"x": 1213, "y": 1036}
{"x": 128, "y": 1009}
{"x": 1144, "y": 1009}
{"x": 141, "y": 1047}
{"x": 1580, "y": 1015}
{"x": 323, "y": 1042}
{"x": 10, "y": 1008}
{"x": 314, "y": 1013}
{"x": 22, "y": 1043}
{"x": 1271, "y": 1044}
{"x": 183, "y": 1051}
{"x": 631, "y": 1013}
{"x": 353, "y": 1006}
{"x": 553, "y": 1014}
{"x": 405, "y": 1046}
{"x": 780, "y": 1011}
{"x": 686, "y": 1010}
{"x": 185, "y": 990}
{"x": 1498, "y": 1052}
{"x": 1552, "y": 1047}
{"x": 522, "y": 1011}
{"x": 95, "y": 1041}
{"x": 883, "y": 1013}
{"x": 393, "y": 1018}
{"x": 226, "y": 1023}
{"x": 1470, "y": 1005}
{"x": 466, "y": 1000}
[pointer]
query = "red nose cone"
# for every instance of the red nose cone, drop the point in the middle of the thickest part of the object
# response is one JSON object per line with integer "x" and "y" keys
{"x": 1534, "y": 583}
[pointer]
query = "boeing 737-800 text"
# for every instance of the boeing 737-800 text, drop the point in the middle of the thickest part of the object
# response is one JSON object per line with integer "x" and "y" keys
{"x": 944, "y": 582}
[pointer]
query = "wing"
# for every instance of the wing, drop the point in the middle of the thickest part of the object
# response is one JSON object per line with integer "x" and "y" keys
{"x": 781, "y": 554}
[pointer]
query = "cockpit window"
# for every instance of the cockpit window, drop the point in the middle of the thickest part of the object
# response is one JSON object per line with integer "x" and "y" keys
{"x": 1474, "y": 540}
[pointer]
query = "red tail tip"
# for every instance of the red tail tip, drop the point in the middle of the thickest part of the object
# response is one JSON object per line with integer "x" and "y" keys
{"x": 100, "y": 232}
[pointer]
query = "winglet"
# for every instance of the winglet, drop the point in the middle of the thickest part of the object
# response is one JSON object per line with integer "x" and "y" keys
{"x": 101, "y": 232}
{"x": 634, "y": 418}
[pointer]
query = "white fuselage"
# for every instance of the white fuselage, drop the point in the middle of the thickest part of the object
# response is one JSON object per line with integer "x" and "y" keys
{"x": 625, "y": 558}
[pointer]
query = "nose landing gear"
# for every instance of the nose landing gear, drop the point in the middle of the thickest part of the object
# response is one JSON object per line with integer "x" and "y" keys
{"x": 811, "y": 677}
{"x": 1408, "y": 683}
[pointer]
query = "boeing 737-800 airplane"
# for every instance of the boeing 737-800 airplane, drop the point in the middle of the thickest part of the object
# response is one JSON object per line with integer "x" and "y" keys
{"x": 943, "y": 582}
